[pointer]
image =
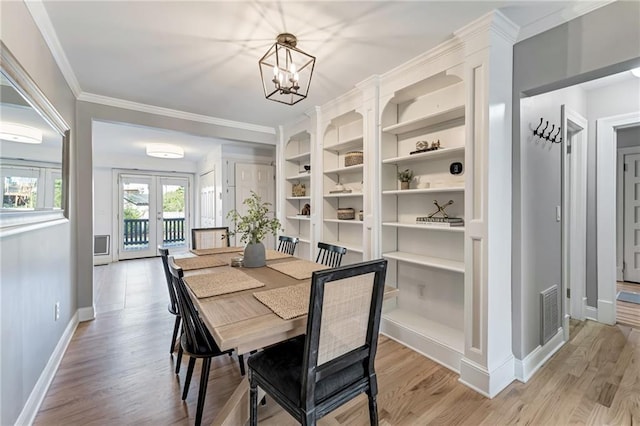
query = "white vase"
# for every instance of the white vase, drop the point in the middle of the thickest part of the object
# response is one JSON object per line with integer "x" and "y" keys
{"x": 254, "y": 255}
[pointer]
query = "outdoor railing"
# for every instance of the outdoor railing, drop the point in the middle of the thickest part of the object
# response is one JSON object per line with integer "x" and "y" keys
{"x": 136, "y": 231}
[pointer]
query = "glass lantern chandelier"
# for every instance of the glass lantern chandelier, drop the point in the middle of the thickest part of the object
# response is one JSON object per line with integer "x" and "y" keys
{"x": 286, "y": 71}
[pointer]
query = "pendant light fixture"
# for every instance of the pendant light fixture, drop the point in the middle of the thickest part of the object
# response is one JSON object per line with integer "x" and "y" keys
{"x": 286, "y": 71}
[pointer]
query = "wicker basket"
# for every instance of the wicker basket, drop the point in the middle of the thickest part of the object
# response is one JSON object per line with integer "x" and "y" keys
{"x": 346, "y": 214}
{"x": 352, "y": 158}
{"x": 298, "y": 190}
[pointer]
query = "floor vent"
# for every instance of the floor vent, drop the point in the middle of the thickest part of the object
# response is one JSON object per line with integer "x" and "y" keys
{"x": 100, "y": 245}
{"x": 549, "y": 315}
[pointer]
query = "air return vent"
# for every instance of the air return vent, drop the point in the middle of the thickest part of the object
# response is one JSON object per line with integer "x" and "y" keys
{"x": 550, "y": 314}
{"x": 100, "y": 245}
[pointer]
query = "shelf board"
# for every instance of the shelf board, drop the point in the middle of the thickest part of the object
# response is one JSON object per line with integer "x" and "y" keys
{"x": 346, "y": 145}
{"x": 432, "y": 262}
{"x": 440, "y": 333}
{"x": 301, "y": 176}
{"x": 423, "y": 190}
{"x": 345, "y": 170}
{"x": 425, "y": 227}
{"x": 298, "y": 198}
{"x": 444, "y": 152}
{"x": 426, "y": 121}
{"x": 299, "y": 217}
{"x": 343, "y": 195}
{"x": 349, "y": 221}
{"x": 351, "y": 247}
{"x": 299, "y": 157}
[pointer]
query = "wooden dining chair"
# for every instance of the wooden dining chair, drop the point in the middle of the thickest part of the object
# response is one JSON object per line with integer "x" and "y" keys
{"x": 173, "y": 301}
{"x": 311, "y": 375}
{"x": 330, "y": 255}
{"x": 196, "y": 340}
{"x": 204, "y": 238}
{"x": 287, "y": 244}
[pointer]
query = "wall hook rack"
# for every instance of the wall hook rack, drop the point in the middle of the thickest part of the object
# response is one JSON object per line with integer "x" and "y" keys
{"x": 548, "y": 136}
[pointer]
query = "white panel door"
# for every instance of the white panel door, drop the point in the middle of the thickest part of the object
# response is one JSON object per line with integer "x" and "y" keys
{"x": 208, "y": 200}
{"x": 632, "y": 218}
{"x": 258, "y": 178}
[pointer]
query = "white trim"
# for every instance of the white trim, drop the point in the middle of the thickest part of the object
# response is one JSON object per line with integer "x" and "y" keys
{"x": 39, "y": 391}
{"x": 575, "y": 10}
{"x": 44, "y": 24}
{"x": 173, "y": 113}
{"x": 621, "y": 152}
{"x": 590, "y": 313}
{"x": 605, "y": 215}
{"x": 86, "y": 314}
{"x": 487, "y": 383}
{"x": 526, "y": 368}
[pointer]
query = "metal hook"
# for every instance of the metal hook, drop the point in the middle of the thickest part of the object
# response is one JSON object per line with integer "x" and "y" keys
{"x": 556, "y": 136}
{"x": 535, "y": 132}
{"x": 553, "y": 126}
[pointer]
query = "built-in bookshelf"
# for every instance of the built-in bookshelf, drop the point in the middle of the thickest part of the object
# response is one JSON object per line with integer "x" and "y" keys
{"x": 297, "y": 171}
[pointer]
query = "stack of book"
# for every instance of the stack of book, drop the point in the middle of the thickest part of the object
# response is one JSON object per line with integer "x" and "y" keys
{"x": 440, "y": 221}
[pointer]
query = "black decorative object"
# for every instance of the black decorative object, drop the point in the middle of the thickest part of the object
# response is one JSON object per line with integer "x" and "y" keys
{"x": 548, "y": 136}
{"x": 456, "y": 168}
{"x": 440, "y": 217}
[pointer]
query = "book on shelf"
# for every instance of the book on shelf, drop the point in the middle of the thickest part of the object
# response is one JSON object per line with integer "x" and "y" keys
{"x": 440, "y": 221}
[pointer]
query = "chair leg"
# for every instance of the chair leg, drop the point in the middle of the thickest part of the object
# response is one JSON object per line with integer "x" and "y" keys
{"x": 176, "y": 327}
{"x": 241, "y": 362}
{"x": 373, "y": 409}
{"x": 179, "y": 359}
{"x": 253, "y": 402}
{"x": 187, "y": 380}
{"x": 204, "y": 379}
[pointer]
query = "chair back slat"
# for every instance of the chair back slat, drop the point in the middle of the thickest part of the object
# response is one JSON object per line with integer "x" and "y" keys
{"x": 287, "y": 244}
{"x": 330, "y": 255}
{"x": 193, "y": 327}
{"x": 205, "y": 238}
{"x": 164, "y": 254}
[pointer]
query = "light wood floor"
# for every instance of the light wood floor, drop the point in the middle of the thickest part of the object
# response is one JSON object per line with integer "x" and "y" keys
{"x": 118, "y": 370}
{"x": 628, "y": 313}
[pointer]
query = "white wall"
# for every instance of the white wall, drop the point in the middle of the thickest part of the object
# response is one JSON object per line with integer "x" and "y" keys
{"x": 37, "y": 268}
{"x": 628, "y": 137}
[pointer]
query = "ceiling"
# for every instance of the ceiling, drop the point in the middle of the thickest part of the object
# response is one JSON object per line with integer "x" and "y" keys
{"x": 202, "y": 57}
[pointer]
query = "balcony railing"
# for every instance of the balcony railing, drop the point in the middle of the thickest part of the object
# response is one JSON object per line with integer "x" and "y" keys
{"x": 136, "y": 231}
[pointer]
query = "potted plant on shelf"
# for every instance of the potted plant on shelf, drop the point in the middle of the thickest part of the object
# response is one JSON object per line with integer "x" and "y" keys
{"x": 405, "y": 178}
{"x": 253, "y": 227}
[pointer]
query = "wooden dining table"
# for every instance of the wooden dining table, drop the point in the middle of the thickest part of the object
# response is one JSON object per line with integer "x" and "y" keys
{"x": 241, "y": 322}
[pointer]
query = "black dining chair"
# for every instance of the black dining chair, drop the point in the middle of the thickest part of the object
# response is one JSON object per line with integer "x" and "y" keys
{"x": 173, "y": 301}
{"x": 311, "y": 375}
{"x": 287, "y": 244}
{"x": 196, "y": 340}
{"x": 204, "y": 238}
{"x": 330, "y": 255}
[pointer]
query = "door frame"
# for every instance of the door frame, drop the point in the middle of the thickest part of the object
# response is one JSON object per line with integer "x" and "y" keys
{"x": 621, "y": 153}
{"x": 574, "y": 204}
{"x": 115, "y": 209}
{"x": 606, "y": 208}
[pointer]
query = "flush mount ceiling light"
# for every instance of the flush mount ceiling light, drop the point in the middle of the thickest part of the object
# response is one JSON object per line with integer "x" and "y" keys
{"x": 164, "y": 150}
{"x": 286, "y": 71}
{"x": 636, "y": 72}
{"x": 19, "y": 133}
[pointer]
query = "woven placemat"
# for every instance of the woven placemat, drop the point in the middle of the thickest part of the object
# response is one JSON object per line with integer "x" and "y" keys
{"x": 216, "y": 250}
{"x": 286, "y": 302}
{"x": 275, "y": 254}
{"x": 209, "y": 285}
{"x": 200, "y": 262}
{"x": 298, "y": 269}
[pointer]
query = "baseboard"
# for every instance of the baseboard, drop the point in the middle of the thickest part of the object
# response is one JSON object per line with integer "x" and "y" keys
{"x": 527, "y": 367}
{"x": 606, "y": 312}
{"x": 485, "y": 382}
{"x": 590, "y": 312}
{"x": 31, "y": 407}
{"x": 87, "y": 314}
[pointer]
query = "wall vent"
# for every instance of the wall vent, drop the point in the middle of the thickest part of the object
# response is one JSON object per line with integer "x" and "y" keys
{"x": 100, "y": 245}
{"x": 549, "y": 314}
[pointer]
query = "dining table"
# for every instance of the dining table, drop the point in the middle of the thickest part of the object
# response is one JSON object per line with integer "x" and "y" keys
{"x": 238, "y": 320}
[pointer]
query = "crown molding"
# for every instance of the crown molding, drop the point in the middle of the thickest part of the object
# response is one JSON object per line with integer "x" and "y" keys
{"x": 495, "y": 21}
{"x": 44, "y": 24}
{"x": 565, "y": 15}
{"x": 173, "y": 113}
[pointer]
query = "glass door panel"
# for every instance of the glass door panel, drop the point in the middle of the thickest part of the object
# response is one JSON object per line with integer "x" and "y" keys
{"x": 173, "y": 213}
{"x": 137, "y": 208}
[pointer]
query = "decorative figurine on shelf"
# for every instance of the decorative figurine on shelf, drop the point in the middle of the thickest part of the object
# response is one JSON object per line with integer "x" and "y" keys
{"x": 440, "y": 217}
{"x": 405, "y": 178}
{"x": 440, "y": 210}
{"x": 306, "y": 210}
{"x": 424, "y": 146}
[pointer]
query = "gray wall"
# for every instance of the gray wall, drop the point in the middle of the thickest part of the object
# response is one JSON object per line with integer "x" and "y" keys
{"x": 37, "y": 267}
{"x": 571, "y": 53}
{"x": 628, "y": 137}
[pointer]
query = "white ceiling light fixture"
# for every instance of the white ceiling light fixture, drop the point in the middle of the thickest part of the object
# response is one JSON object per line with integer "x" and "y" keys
{"x": 636, "y": 72}
{"x": 13, "y": 132}
{"x": 286, "y": 71}
{"x": 164, "y": 150}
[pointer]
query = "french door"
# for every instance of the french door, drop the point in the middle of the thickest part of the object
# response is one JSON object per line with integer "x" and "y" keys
{"x": 153, "y": 211}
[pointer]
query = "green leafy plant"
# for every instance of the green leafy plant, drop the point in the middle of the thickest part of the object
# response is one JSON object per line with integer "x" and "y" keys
{"x": 256, "y": 223}
{"x": 406, "y": 175}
